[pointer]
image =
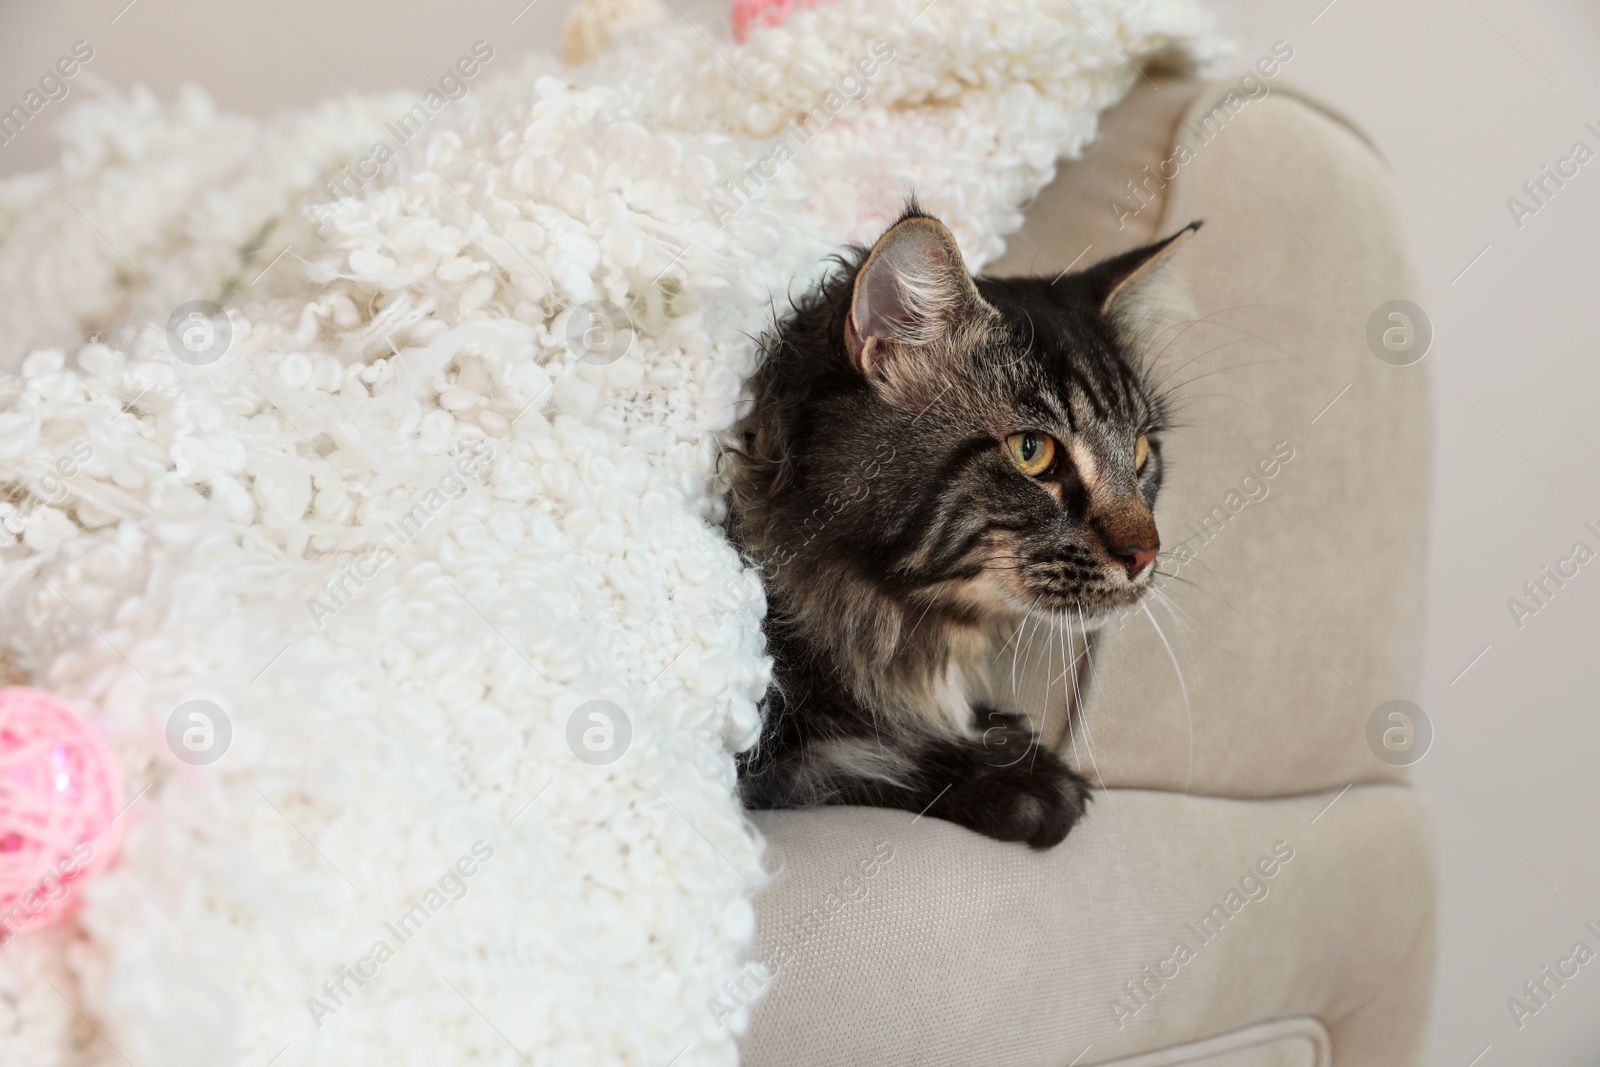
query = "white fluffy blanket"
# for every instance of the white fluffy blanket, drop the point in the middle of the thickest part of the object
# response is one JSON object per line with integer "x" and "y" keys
{"x": 399, "y": 532}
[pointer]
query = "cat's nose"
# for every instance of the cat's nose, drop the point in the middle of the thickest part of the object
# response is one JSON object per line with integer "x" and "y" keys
{"x": 1136, "y": 557}
{"x": 1128, "y": 535}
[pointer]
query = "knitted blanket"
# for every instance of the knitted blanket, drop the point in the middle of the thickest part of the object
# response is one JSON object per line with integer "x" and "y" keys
{"x": 361, "y": 471}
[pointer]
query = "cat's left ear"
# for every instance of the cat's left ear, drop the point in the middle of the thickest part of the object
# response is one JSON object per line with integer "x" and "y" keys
{"x": 911, "y": 300}
{"x": 1118, "y": 283}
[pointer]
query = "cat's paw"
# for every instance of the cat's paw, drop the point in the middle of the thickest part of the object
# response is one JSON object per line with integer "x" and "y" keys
{"x": 1038, "y": 799}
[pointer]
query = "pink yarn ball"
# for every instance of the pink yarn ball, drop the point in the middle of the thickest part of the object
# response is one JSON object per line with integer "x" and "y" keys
{"x": 60, "y": 788}
{"x": 750, "y": 15}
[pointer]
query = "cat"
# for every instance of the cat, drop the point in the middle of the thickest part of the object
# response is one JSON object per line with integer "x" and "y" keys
{"x": 929, "y": 459}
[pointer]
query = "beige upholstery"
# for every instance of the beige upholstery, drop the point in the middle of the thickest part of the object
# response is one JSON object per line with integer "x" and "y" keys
{"x": 892, "y": 940}
{"x": 958, "y": 950}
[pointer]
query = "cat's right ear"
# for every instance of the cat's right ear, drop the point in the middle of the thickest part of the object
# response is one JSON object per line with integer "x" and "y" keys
{"x": 1123, "y": 283}
{"x": 911, "y": 296}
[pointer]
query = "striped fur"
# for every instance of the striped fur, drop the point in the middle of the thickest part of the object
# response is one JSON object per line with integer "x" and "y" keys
{"x": 901, "y": 545}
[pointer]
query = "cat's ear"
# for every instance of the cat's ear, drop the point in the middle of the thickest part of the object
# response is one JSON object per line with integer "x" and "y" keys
{"x": 1122, "y": 281}
{"x": 912, "y": 292}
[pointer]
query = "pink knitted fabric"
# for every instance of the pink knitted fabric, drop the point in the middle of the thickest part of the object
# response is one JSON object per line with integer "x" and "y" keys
{"x": 60, "y": 789}
{"x": 750, "y": 15}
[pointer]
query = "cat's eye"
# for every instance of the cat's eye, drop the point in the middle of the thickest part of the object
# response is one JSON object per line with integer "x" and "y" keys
{"x": 1033, "y": 452}
{"x": 1141, "y": 453}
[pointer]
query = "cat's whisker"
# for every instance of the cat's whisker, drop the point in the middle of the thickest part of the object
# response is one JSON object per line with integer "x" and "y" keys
{"x": 1082, "y": 709}
{"x": 1205, "y": 320}
{"x": 1160, "y": 385}
{"x": 1183, "y": 687}
{"x": 1210, "y": 592}
{"x": 1184, "y": 622}
{"x": 1182, "y": 326}
{"x": 1172, "y": 608}
{"x": 1020, "y": 624}
{"x": 1210, "y": 320}
{"x": 1170, "y": 557}
{"x": 1027, "y": 652}
{"x": 1044, "y": 715}
{"x": 1240, "y": 366}
{"x": 1180, "y": 618}
{"x": 1016, "y": 650}
{"x": 1242, "y": 335}
{"x": 1179, "y": 406}
{"x": 910, "y": 635}
{"x": 1069, "y": 687}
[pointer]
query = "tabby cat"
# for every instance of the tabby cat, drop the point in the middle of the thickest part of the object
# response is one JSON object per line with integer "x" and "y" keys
{"x": 929, "y": 460}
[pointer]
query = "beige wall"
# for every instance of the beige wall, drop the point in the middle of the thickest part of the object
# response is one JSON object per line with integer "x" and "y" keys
{"x": 1467, "y": 98}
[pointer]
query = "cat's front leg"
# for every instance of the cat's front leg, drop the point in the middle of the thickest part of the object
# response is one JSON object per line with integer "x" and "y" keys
{"x": 1005, "y": 785}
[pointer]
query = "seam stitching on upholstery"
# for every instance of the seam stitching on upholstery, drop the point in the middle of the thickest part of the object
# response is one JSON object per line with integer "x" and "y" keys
{"x": 1379, "y": 783}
